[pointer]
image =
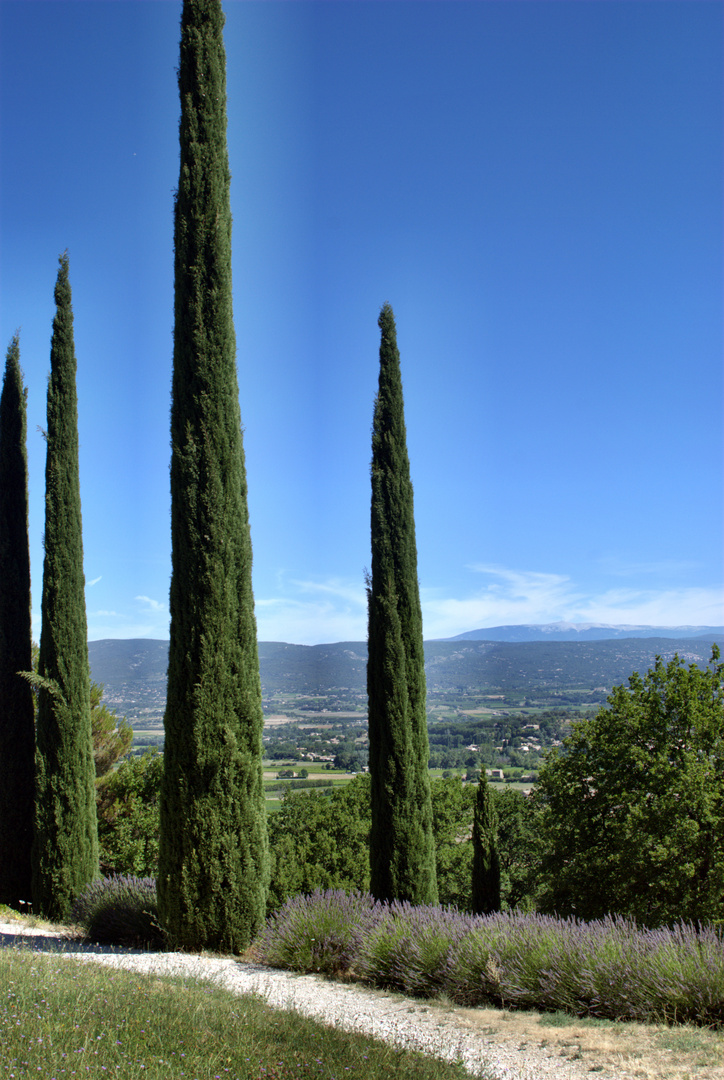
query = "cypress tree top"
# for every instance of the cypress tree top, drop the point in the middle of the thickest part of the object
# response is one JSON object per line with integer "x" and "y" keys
{"x": 402, "y": 853}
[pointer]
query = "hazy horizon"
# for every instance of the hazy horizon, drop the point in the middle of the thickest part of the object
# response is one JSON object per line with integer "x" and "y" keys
{"x": 532, "y": 626}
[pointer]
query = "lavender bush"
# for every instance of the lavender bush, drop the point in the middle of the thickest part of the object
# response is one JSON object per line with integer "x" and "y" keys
{"x": 322, "y": 932}
{"x": 119, "y": 910}
{"x": 608, "y": 968}
{"x": 408, "y": 947}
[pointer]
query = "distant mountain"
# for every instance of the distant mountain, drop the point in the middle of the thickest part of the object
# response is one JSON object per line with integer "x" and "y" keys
{"x": 562, "y": 631}
{"x": 134, "y": 672}
{"x": 124, "y": 666}
{"x": 128, "y": 660}
{"x": 551, "y": 666}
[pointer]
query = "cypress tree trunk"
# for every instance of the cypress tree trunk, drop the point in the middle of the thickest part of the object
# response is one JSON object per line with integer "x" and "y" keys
{"x": 213, "y": 863}
{"x": 17, "y": 719}
{"x": 402, "y": 847}
{"x": 65, "y": 849}
{"x": 486, "y": 863}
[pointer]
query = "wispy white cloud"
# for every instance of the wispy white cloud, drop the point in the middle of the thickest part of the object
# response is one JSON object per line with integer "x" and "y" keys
{"x": 312, "y": 612}
{"x": 100, "y": 631}
{"x": 152, "y": 623}
{"x": 90, "y": 584}
{"x": 512, "y": 597}
{"x": 153, "y": 605}
{"x": 349, "y": 592}
{"x": 309, "y": 612}
{"x": 663, "y": 607}
{"x": 509, "y": 597}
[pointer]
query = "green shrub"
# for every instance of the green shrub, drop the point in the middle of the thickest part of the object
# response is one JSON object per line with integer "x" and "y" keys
{"x": 128, "y": 816}
{"x": 119, "y": 910}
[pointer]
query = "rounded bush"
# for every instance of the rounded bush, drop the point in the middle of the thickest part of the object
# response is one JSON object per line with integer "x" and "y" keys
{"x": 120, "y": 910}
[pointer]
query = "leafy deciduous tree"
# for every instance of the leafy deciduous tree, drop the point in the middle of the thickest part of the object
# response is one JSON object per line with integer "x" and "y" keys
{"x": 213, "y": 861}
{"x": 65, "y": 847}
{"x": 128, "y": 816}
{"x": 518, "y": 848}
{"x": 452, "y": 810}
{"x": 402, "y": 849}
{"x": 633, "y": 808}
{"x": 112, "y": 737}
{"x": 17, "y": 731}
{"x": 320, "y": 841}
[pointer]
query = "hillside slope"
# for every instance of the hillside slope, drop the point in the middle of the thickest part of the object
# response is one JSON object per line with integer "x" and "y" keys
{"x": 130, "y": 667}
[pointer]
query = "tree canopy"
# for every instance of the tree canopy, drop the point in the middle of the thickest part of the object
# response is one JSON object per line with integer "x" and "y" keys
{"x": 633, "y": 806}
{"x": 128, "y": 816}
{"x": 112, "y": 735}
{"x": 319, "y": 841}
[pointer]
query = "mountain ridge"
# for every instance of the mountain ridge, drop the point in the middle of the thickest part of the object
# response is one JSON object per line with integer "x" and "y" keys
{"x": 567, "y": 631}
{"x": 134, "y": 670}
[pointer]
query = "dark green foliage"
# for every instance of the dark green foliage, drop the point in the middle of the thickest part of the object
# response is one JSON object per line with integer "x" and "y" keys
{"x": 65, "y": 848}
{"x": 486, "y": 863}
{"x": 17, "y": 734}
{"x": 452, "y": 819}
{"x": 112, "y": 737}
{"x": 213, "y": 851}
{"x": 402, "y": 850}
{"x": 128, "y": 816}
{"x": 119, "y": 910}
{"x": 518, "y": 849}
{"x": 633, "y": 808}
{"x": 453, "y": 807}
{"x": 320, "y": 841}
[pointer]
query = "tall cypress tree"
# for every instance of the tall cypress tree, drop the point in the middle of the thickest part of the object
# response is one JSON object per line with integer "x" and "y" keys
{"x": 402, "y": 847}
{"x": 17, "y": 720}
{"x": 213, "y": 863}
{"x": 65, "y": 848}
{"x": 486, "y": 862}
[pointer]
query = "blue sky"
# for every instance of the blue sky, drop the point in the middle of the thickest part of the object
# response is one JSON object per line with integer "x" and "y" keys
{"x": 535, "y": 187}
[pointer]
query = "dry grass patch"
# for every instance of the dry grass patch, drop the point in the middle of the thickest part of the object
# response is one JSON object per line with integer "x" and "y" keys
{"x": 628, "y": 1051}
{"x": 33, "y": 924}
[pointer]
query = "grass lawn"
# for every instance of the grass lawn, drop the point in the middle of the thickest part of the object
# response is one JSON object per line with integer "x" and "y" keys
{"x": 62, "y": 1018}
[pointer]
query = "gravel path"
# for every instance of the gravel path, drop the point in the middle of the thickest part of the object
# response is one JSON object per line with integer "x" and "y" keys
{"x": 406, "y": 1022}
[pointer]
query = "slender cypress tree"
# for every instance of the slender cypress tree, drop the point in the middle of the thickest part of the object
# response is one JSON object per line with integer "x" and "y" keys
{"x": 486, "y": 863}
{"x": 65, "y": 848}
{"x": 17, "y": 719}
{"x": 402, "y": 847}
{"x": 213, "y": 863}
